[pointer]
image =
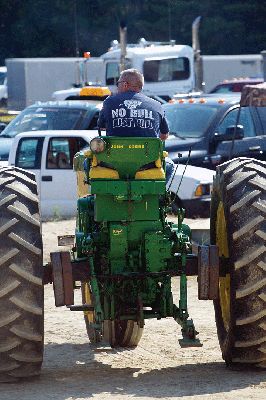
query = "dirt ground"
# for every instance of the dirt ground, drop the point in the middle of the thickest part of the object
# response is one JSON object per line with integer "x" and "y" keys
{"x": 157, "y": 369}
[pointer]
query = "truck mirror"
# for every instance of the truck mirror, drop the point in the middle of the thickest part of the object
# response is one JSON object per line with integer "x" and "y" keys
{"x": 231, "y": 133}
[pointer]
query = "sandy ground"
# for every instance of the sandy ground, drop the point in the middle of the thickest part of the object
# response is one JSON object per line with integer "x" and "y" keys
{"x": 157, "y": 369}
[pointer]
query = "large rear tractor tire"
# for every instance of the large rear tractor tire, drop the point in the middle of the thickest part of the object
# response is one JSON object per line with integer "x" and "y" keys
{"x": 21, "y": 287}
{"x": 238, "y": 227}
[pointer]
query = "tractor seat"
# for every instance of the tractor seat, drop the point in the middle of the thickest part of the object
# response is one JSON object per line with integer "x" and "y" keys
{"x": 151, "y": 171}
{"x": 101, "y": 172}
{"x": 148, "y": 171}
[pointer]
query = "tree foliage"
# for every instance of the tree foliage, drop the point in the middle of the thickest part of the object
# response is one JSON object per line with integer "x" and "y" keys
{"x": 63, "y": 28}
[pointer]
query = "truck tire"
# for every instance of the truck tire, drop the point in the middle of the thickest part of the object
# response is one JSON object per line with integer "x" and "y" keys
{"x": 238, "y": 227}
{"x": 21, "y": 287}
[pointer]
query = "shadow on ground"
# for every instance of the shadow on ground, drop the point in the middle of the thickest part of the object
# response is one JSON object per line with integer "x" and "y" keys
{"x": 71, "y": 372}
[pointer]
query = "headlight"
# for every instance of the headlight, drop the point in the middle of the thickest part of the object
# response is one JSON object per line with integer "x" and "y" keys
{"x": 203, "y": 190}
{"x": 97, "y": 145}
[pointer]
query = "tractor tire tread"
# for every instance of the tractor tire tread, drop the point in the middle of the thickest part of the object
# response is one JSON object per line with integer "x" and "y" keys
{"x": 21, "y": 273}
{"x": 241, "y": 184}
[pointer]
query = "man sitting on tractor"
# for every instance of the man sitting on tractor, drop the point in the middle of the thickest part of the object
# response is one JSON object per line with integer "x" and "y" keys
{"x": 131, "y": 113}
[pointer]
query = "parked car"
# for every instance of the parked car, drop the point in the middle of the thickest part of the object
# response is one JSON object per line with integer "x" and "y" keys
{"x": 3, "y": 86}
{"x": 57, "y": 115}
{"x": 203, "y": 129}
{"x": 235, "y": 85}
{"x": 49, "y": 155}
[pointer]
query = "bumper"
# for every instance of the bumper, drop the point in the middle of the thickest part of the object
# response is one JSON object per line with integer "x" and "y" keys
{"x": 197, "y": 207}
{"x": 3, "y": 164}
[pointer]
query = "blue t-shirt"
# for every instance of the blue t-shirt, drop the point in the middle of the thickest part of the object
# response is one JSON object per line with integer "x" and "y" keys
{"x": 132, "y": 114}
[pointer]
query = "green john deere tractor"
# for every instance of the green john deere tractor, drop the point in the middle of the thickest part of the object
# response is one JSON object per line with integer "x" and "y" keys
{"x": 126, "y": 252}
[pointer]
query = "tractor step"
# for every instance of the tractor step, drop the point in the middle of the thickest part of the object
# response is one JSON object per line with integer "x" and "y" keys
{"x": 82, "y": 307}
{"x": 66, "y": 240}
{"x": 186, "y": 342}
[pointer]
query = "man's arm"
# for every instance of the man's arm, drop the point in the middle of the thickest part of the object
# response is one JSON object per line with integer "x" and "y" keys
{"x": 101, "y": 120}
{"x": 164, "y": 136}
{"x": 164, "y": 129}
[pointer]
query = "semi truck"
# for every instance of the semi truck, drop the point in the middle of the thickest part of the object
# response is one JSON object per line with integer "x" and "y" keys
{"x": 167, "y": 68}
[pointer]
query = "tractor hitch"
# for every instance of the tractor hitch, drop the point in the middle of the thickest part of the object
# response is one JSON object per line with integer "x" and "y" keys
{"x": 63, "y": 273}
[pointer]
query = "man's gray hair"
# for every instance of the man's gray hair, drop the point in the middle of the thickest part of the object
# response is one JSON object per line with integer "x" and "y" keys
{"x": 133, "y": 77}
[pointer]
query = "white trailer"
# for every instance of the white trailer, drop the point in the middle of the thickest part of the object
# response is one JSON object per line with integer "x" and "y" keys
{"x": 35, "y": 79}
{"x": 218, "y": 68}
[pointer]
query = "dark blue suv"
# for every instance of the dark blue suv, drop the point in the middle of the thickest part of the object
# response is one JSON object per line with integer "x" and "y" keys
{"x": 206, "y": 126}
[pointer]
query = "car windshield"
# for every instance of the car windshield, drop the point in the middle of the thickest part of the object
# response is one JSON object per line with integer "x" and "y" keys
{"x": 44, "y": 118}
{"x": 189, "y": 120}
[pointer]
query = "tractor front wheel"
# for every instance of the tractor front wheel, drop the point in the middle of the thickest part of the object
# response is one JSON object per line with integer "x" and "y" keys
{"x": 89, "y": 316}
{"x": 126, "y": 333}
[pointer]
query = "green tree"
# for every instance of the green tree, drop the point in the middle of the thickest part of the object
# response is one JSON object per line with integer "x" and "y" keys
{"x": 52, "y": 28}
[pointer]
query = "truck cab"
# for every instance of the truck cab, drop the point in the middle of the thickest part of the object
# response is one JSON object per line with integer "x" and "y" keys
{"x": 167, "y": 68}
{"x": 49, "y": 155}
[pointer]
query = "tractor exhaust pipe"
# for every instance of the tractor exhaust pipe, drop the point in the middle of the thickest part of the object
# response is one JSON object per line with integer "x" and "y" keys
{"x": 197, "y": 56}
{"x": 123, "y": 45}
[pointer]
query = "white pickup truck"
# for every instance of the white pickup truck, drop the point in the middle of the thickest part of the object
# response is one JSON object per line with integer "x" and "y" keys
{"x": 49, "y": 155}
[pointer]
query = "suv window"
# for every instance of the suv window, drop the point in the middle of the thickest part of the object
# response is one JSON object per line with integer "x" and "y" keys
{"x": 29, "y": 153}
{"x": 245, "y": 120}
{"x": 61, "y": 152}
